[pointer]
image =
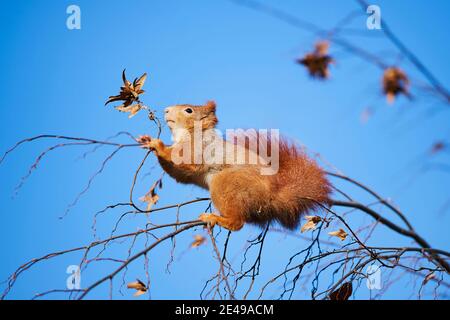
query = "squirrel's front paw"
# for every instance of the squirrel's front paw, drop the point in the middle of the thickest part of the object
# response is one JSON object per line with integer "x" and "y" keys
{"x": 144, "y": 140}
{"x": 149, "y": 143}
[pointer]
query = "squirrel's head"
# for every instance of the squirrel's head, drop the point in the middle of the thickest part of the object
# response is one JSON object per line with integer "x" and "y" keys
{"x": 184, "y": 116}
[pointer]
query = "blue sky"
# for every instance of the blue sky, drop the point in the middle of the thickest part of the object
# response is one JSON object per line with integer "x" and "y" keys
{"x": 56, "y": 80}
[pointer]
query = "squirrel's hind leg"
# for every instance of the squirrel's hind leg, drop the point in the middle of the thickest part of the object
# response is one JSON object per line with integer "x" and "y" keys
{"x": 233, "y": 192}
{"x": 231, "y": 224}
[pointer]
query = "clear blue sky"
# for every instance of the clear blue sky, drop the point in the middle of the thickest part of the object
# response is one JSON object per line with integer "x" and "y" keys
{"x": 54, "y": 80}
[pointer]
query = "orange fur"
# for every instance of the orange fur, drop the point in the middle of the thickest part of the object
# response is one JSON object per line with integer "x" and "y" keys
{"x": 238, "y": 191}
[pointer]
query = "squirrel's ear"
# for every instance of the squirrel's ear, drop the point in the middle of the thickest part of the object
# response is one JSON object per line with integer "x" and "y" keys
{"x": 211, "y": 105}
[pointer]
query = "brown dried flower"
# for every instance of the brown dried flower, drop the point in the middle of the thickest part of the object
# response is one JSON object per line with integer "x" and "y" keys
{"x": 395, "y": 82}
{"x": 317, "y": 62}
{"x": 129, "y": 94}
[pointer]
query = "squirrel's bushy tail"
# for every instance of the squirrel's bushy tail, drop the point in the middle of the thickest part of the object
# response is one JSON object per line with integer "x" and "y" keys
{"x": 299, "y": 186}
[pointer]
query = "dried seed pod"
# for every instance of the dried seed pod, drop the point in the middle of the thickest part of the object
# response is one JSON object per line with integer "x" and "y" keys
{"x": 395, "y": 82}
{"x": 318, "y": 61}
{"x": 342, "y": 293}
{"x": 129, "y": 94}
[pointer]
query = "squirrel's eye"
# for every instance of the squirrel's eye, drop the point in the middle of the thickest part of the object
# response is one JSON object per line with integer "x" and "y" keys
{"x": 188, "y": 110}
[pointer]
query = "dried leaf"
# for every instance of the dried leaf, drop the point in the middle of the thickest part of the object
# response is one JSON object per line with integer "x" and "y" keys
{"x": 124, "y": 78}
{"x": 366, "y": 115}
{"x": 390, "y": 97}
{"x": 322, "y": 47}
{"x": 133, "y": 109}
{"x": 113, "y": 99}
{"x": 429, "y": 277}
{"x": 318, "y": 61}
{"x": 437, "y": 147}
{"x": 395, "y": 82}
{"x": 341, "y": 234}
{"x": 139, "y": 83}
{"x": 311, "y": 223}
{"x": 139, "y": 286}
{"x": 343, "y": 293}
{"x": 151, "y": 197}
{"x": 198, "y": 241}
{"x": 139, "y": 293}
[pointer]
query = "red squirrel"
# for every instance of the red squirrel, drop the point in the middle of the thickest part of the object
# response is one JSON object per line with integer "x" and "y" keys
{"x": 239, "y": 191}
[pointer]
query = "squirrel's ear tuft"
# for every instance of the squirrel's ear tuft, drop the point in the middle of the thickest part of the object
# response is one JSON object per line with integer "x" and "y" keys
{"x": 211, "y": 105}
